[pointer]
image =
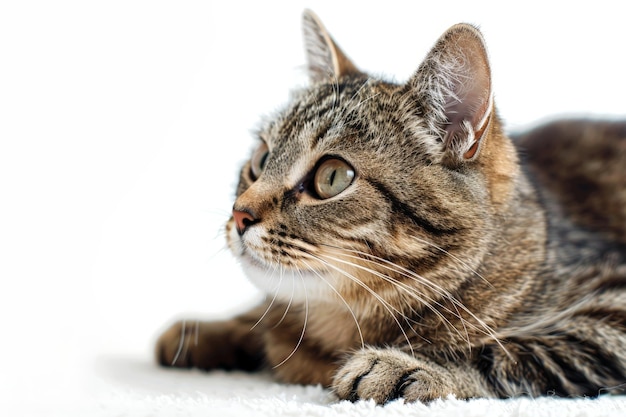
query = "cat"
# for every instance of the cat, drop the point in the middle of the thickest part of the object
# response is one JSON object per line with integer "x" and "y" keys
{"x": 410, "y": 249}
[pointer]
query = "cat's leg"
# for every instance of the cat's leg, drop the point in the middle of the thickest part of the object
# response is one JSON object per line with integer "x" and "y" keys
{"x": 386, "y": 374}
{"x": 584, "y": 360}
{"x": 229, "y": 344}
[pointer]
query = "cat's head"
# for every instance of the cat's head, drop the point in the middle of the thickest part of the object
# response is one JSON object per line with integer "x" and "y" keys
{"x": 360, "y": 187}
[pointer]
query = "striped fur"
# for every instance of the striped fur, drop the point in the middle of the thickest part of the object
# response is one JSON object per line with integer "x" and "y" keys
{"x": 456, "y": 262}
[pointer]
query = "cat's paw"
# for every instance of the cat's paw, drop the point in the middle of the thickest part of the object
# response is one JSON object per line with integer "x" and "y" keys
{"x": 175, "y": 347}
{"x": 386, "y": 374}
{"x": 209, "y": 345}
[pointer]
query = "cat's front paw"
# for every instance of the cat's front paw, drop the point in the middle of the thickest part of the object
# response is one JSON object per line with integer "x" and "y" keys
{"x": 386, "y": 374}
{"x": 177, "y": 345}
{"x": 210, "y": 345}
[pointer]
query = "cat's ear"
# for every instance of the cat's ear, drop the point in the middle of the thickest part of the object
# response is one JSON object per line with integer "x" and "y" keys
{"x": 326, "y": 61}
{"x": 453, "y": 86}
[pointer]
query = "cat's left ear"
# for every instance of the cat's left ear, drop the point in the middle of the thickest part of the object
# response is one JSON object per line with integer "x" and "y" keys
{"x": 326, "y": 61}
{"x": 453, "y": 86}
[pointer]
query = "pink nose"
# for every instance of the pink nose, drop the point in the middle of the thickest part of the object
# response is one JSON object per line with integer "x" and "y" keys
{"x": 243, "y": 220}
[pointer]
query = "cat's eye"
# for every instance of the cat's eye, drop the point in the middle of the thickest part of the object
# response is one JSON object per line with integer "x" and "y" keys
{"x": 332, "y": 177}
{"x": 259, "y": 158}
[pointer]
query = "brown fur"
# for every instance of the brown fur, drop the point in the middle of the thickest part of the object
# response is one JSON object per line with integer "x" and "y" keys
{"x": 583, "y": 164}
{"x": 445, "y": 266}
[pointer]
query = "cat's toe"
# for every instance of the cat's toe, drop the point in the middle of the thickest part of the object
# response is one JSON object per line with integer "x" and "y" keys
{"x": 372, "y": 374}
{"x": 348, "y": 382}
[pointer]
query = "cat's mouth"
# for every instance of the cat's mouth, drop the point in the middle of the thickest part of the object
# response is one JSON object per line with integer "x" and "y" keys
{"x": 282, "y": 268}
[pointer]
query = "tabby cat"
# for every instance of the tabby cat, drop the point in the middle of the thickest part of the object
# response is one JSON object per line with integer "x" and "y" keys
{"x": 409, "y": 248}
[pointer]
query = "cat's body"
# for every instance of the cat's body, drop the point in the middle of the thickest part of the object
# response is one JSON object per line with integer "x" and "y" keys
{"x": 407, "y": 253}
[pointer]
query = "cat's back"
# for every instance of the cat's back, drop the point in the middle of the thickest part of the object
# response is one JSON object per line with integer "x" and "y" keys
{"x": 581, "y": 166}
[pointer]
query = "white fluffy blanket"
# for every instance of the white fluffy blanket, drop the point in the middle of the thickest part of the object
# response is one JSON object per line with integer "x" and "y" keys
{"x": 133, "y": 386}
{"x": 127, "y": 387}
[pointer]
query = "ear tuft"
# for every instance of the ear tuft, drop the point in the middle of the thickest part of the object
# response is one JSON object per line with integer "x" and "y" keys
{"x": 326, "y": 61}
{"x": 453, "y": 86}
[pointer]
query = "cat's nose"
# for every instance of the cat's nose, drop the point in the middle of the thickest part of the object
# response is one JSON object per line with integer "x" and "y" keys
{"x": 243, "y": 220}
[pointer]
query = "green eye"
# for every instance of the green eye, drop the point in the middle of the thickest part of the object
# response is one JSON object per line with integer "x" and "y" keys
{"x": 332, "y": 177}
{"x": 257, "y": 163}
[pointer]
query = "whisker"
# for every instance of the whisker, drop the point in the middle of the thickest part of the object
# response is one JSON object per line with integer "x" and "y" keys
{"x": 484, "y": 327}
{"x": 187, "y": 343}
{"x": 432, "y": 304}
{"x": 462, "y": 262}
{"x": 403, "y": 271}
{"x": 306, "y": 318}
{"x": 181, "y": 342}
{"x": 358, "y": 327}
{"x": 269, "y": 306}
{"x": 396, "y": 268}
{"x": 293, "y": 289}
{"x": 408, "y": 290}
{"x": 382, "y": 301}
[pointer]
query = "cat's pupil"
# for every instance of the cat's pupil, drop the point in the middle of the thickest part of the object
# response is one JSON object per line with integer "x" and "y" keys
{"x": 332, "y": 177}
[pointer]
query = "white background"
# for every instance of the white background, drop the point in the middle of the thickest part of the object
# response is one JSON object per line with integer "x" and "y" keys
{"x": 123, "y": 125}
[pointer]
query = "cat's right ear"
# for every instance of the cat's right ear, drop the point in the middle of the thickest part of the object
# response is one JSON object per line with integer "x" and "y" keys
{"x": 453, "y": 89}
{"x": 326, "y": 62}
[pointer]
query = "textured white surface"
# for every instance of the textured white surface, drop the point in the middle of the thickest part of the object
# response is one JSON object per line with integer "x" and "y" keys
{"x": 127, "y": 387}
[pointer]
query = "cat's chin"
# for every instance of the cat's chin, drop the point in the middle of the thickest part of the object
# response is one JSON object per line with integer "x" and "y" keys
{"x": 287, "y": 284}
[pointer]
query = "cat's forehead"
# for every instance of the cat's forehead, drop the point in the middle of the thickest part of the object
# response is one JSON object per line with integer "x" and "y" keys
{"x": 327, "y": 110}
